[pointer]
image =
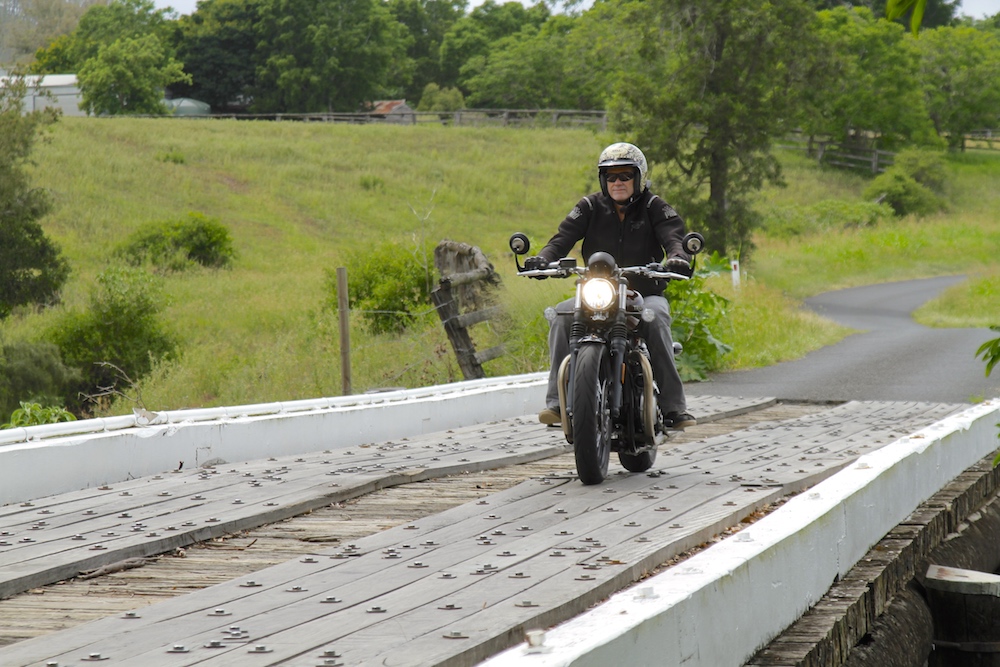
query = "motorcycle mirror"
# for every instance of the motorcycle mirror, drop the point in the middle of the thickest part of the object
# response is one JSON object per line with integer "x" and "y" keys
{"x": 519, "y": 244}
{"x": 693, "y": 243}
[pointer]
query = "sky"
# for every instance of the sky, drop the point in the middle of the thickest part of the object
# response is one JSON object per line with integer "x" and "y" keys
{"x": 975, "y": 8}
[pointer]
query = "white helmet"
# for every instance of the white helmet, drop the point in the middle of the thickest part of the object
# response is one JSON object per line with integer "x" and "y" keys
{"x": 622, "y": 154}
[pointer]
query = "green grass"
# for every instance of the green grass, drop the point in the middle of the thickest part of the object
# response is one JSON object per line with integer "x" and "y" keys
{"x": 300, "y": 198}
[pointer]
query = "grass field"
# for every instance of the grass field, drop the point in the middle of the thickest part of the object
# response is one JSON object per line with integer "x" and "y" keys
{"x": 300, "y": 199}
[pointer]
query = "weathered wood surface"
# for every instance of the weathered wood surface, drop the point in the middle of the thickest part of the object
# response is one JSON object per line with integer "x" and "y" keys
{"x": 56, "y": 538}
{"x": 457, "y": 586}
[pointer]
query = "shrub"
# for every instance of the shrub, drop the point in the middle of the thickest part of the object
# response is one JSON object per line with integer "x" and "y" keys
{"x": 119, "y": 334}
{"x": 926, "y": 167}
{"x": 697, "y": 314}
{"x": 912, "y": 184}
{"x": 390, "y": 285}
{"x": 33, "y": 372}
{"x": 903, "y": 193}
{"x": 176, "y": 245}
{"x": 33, "y": 414}
{"x": 436, "y": 98}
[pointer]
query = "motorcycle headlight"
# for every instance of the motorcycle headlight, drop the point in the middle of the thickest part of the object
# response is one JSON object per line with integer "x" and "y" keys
{"x": 598, "y": 294}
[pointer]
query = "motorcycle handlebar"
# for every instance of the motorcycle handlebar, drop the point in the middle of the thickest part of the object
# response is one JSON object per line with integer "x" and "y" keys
{"x": 561, "y": 272}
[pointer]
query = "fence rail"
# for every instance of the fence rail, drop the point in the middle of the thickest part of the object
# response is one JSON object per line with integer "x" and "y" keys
{"x": 461, "y": 118}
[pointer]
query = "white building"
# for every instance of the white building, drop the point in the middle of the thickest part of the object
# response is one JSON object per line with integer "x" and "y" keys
{"x": 52, "y": 90}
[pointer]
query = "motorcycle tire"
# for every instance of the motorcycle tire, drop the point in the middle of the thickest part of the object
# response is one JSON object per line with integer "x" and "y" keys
{"x": 640, "y": 462}
{"x": 591, "y": 413}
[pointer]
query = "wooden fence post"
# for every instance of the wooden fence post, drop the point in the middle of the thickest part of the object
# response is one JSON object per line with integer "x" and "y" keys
{"x": 464, "y": 272}
{"x": 343, "y": 307}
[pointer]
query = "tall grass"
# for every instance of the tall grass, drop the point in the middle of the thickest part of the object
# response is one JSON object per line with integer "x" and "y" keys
{"x": 302, "y": 198}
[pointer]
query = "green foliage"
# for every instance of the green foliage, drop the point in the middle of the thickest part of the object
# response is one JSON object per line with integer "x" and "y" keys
{"x": 101, "y": 26}
{"x": 990, "y": 351}
{"x": 925, "y": 166}
{"x": 176, "y": 245}
{"x": 960, "y": 71}
{"x": 426, "y": 21}
{"x": 435, "y": 98}
{"x": 912, "y": 184}
{"x": 119, "y": 337}
{"x": 722, "y": 106}
{"x": 128, "y": 77}
{"x": 903, "y": 193}
{"x": 34, "y": 372}
{"x": 331, "y": 56}
{"x": 33, "y": 414}
{"x": 824, "y": 216}
{"x": 32, "y": 271}
{"x": 218, "y": 45}
{"x": 474, "y": 35}
{"x": 861, "y": 63}
{"x": 389, "y": 284}
{"x": 698, "y": 315}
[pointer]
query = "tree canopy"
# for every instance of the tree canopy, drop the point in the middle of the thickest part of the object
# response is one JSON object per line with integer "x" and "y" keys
{"x": 719, "y": 82}
{"x": 32, "y": 271}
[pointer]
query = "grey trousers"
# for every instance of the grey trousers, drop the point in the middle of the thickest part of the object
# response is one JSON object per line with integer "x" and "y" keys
{"x": 658, "y": 340}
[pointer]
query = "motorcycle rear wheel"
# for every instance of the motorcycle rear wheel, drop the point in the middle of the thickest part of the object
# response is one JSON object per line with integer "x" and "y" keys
{"x": 591, "y": 413}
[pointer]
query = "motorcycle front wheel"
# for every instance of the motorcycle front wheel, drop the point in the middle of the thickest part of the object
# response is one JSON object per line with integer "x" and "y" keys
{"x": 591, "y": 413}
{"x": 640, "y": 462}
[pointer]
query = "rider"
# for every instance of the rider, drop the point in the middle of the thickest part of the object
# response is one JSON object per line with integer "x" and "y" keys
{"x": 637, "y": 228}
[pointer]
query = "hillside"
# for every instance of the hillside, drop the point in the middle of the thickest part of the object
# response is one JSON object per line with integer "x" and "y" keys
{"x": 300, "y": 198}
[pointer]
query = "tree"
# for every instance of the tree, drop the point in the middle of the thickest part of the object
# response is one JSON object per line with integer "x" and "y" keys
{"x": 128, "y": 77}
{"x": 426, "y": 21}
{"x": 568, "y": 62}
{"x": 100, "y": 26}
{"x": 722, "y": 81}
{"x": 32, "y": 271}
{"x": 218, "y": 46}
{"x": 960, "y": 68}
{"x": 28, "y": 25}
{"x": 861, "y": 63}
{"x": 475, "y": 34}
{"x": 325, "y": 56}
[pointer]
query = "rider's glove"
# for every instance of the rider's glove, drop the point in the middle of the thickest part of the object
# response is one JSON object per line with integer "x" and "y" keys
{"x": 534, "y": 264}
{"x": 678, "y": 265}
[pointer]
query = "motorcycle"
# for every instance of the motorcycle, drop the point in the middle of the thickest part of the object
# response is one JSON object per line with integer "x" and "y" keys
{"x": 607, "y": 395}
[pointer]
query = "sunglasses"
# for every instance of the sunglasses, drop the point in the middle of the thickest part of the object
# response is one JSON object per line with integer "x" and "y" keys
{"x": 627, "y": 176}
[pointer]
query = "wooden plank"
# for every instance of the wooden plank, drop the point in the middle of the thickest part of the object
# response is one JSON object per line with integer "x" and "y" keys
{"x": 289, "y": 623}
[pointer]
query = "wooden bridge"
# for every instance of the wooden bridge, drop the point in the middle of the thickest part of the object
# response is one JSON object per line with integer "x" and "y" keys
{"x": 451, "y": 588}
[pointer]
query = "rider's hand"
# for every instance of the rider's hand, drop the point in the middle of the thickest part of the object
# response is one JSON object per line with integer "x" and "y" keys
{"x": 678, "y": 265}
{"x": 534, "y": 264}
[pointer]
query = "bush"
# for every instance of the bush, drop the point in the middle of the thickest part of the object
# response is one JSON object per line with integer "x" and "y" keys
{"x": 390, "y": 285}
{"x": 119, "y": 334}
{"x": 436, "y": 98}
{"x": 33, "y": 372}
{"x": 180, "y": 244}
{"x": 33, "y": 414}
{"x": 912, "y": 184}
{"x": 697, "y": 314}
{"x": 823, "y": 216}
{"x": 903, "y": 194}
{"x": 926, "y": 167}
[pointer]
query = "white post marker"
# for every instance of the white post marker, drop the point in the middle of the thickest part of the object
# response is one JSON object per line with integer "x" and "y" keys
{"x": 734, "y": 264}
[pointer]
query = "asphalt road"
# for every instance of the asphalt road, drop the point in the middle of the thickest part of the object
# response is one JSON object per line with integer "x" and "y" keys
{"x": 891, "y": 358}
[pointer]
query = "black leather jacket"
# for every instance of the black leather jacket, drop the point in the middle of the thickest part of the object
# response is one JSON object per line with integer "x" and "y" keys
{"x": 650, "y": 229}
